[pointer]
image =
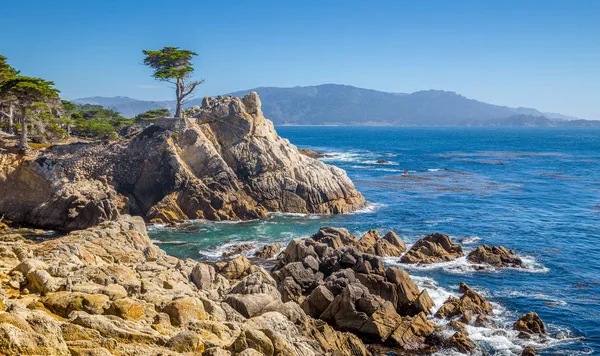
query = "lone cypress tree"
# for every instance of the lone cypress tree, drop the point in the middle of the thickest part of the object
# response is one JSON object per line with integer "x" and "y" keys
{"x": 26, "y": 92}
{"x": 173, "y": 65}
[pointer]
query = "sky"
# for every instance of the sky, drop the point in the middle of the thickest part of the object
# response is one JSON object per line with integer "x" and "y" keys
{"x": 540, "y": 54}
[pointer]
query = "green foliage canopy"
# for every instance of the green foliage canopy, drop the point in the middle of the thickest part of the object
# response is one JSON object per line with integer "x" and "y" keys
{"x": 170, "y": 63}
{"x": 28, "y": 90}
{"x": 152, "y": 115}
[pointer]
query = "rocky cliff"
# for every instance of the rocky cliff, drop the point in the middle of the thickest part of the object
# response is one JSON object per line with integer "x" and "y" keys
{"x": 224, "y": 162}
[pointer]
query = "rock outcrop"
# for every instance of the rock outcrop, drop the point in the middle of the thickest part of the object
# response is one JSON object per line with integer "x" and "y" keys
{"x": 469, "y": 305}
{"x": 497, "y": 256}
{"x": 226, "y": 162}
{"x": 107, "y": 290}
{"x": 433, "y": 248}
{"x": 530, "y": 324}
{"x": 334, "y": 277}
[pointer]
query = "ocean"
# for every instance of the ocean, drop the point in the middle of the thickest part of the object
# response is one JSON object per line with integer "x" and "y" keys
{"x": 533, "y": 190}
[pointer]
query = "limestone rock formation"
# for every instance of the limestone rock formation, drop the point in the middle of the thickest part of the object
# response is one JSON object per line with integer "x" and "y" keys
{"x": 227, "y": 162}
{"x": 497, "y": 256}
{"x": 104, "y": 294}
{"x": 433, "y": 248}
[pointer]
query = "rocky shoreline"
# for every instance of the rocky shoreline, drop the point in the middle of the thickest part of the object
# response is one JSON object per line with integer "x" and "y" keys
{"x": 108, "y": 290}
{"x": 223, "y": 162}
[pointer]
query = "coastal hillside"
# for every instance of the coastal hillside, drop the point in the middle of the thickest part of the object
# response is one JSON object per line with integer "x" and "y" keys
{"x": 225, "y": 162}
{"x": 348, "y": 105}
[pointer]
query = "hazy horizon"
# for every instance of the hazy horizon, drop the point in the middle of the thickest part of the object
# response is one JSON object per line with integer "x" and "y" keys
{"x": 538, "y": 54}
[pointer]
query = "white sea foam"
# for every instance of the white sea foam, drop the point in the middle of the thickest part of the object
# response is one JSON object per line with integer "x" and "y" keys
{"x": 369, "y": 208}
{"x": 533, "y": 295}
{"x": 499, "y": 339}
{"x": 467, "y": 240}
{"x": 218, "y": 251}
{"x": 461, "y": 266}
{"x": 435, "y": 169}
{"x": 388, "y": 163}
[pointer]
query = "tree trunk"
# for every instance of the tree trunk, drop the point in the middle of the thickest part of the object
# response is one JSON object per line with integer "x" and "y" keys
{"x": 179, "y": 95}
{"x": 23, "y": 138}
{"x": 10, "y": 118}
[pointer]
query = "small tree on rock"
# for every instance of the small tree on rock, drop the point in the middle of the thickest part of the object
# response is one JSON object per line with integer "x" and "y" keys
{"x": 173, "y": 65}
{"x": 27, "y": 91}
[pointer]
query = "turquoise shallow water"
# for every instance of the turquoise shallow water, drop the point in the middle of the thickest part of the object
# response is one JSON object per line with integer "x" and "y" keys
{"x": 534, "y": 190}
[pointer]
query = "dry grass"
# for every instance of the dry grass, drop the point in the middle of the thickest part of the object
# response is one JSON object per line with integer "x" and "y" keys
{"x": 40, "y": 145}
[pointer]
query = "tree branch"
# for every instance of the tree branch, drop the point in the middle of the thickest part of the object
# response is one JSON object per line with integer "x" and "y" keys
{"x": 190, "y": 88}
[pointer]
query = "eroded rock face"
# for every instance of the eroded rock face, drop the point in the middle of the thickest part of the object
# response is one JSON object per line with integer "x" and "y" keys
{"x": 433, "y": 248}
{"x": 497, "y": 256}
{"x": 226, "y": 162}
{"x": 110, "y": 296}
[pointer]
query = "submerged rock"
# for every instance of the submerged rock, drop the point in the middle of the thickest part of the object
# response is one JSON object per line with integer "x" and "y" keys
{"x": 528, "y": 351}
{"x": 268, "y": 251}
{"x": 226, "y": 162}
{"x": 433, "y": 248}
{"x": 497, "y": 256}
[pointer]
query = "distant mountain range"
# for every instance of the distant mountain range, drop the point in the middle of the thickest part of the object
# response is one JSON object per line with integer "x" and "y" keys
{"x": 333, "y": 104}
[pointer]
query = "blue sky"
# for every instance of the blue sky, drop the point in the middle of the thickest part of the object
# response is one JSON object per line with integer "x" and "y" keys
{"x": 541, "y": 54}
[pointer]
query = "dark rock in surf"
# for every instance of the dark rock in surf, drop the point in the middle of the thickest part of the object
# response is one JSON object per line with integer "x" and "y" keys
{"x": 433, "y": 248}
{"x": 497, "y": 256}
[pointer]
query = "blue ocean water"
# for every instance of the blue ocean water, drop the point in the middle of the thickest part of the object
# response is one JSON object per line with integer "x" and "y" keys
{"x": 534, "y": 190}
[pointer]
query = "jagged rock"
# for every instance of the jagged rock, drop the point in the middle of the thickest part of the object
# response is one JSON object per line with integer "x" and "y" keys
{"x": 185, "y": 309}
{"x": 367, "y": 242}
{"x": 530, "y": 323}
{"x": 235, "y": 269}
{"x": 203, "y": 276}
{"x": 317, "y": 301}
{"x": 255, "y": 340}
{"x": 227, "y": 162}
{"x": 497, "y": 256}
{"x": 410, "y": 300}
{"x": 127, "y": 309}
{"x": 63, "y": 303}
{"x": 305, "y": 277}
{"x": 412, "y": 332}
{"x": 268, "y": 251}
{"x": 461, "y": 342}
{"x": 469, "y": 304}
{"x": 384, "y": 248}
{"x": 186, "y": 341}
{"x": 114, "y": 299}
{"x": 528, "y": 351}
{"x": 249, "y": 305}
{"x": 334, "y": 237}
{"x": 355, "y": 309}
{"x": 312, "y": 154}
{"x": 237, "y": 249}
{"x": 259, "y": 282}
{"x": 432, "y": 249}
